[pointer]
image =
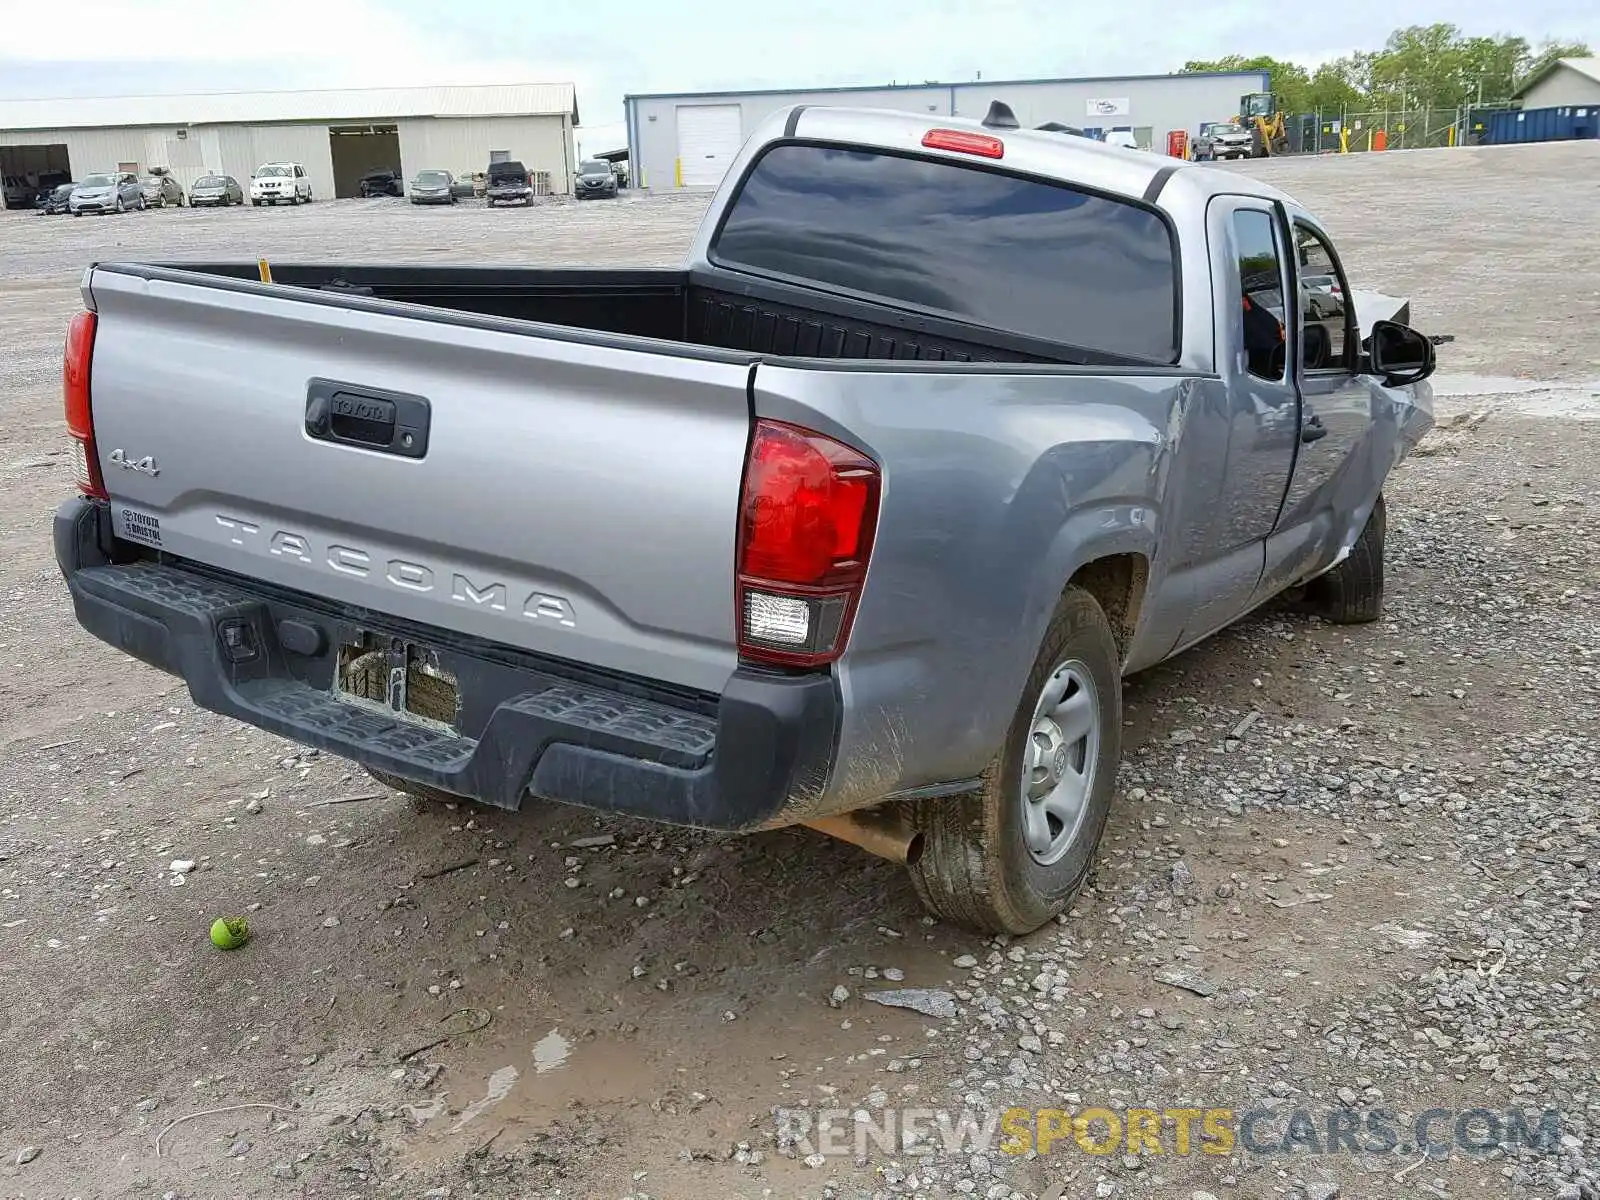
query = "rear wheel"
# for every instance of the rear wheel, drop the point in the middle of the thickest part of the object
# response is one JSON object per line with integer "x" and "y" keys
{"x": 1013, "y": 854}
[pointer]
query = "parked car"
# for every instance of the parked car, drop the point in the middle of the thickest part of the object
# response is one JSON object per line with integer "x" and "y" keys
{"x": 161, "y": 190}
{"x": 1220, "y": 140}
{"x": 18, "y": 192}
{"x": 281, "y": 181}
{"x": 382, "y": 181}
{"x": 509, "y": 183}
{"x": 106, "y": 191}
{"x": 215, "y": 191}
{"x": 468, "y": 185}
{"x": 434, "y": 187}
{"x": 794, "y": 590}
{"x": 595, "y": 180}
{"x": 1123, "y": 138}
{"x": 56, "y": 200}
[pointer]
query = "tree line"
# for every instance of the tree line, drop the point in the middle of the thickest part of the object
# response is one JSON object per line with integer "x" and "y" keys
{"x": 1419, "y": 67}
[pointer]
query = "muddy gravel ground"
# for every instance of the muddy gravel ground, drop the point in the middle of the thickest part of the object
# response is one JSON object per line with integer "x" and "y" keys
{"x": 1349, "y": 877}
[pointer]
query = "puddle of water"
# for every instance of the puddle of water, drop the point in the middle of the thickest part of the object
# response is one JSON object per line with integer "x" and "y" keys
{"x": 500, "y": 1085}
{"x": 551, "y": 1052}
{"x": 1532, "y": 397}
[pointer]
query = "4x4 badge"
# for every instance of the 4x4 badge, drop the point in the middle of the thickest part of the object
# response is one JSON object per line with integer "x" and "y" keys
{"x": 145, "y": 464}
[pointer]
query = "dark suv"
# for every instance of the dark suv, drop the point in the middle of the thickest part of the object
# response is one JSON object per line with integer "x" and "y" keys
{"x": 509, "y": 183}
{"x": 596, "y": 178}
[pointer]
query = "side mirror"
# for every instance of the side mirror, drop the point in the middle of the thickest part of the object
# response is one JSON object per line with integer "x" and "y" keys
{"x": 1399, "y": 354}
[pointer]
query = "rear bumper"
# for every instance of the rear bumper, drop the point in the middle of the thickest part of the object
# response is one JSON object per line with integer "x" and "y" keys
{"x": 752, "y": 757}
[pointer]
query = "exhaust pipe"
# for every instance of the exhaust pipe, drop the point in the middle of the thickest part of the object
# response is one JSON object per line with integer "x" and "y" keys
{"x": 881, "y": 831}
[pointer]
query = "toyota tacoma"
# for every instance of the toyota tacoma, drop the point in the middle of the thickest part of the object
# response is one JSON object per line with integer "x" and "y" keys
{"x": 857, "y": 520}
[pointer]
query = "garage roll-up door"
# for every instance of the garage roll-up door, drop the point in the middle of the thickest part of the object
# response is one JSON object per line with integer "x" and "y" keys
{"x": 709, "y": 135}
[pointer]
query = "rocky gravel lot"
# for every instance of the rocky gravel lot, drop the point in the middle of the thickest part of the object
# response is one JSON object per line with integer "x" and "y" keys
{"x": 1349, "y": 878}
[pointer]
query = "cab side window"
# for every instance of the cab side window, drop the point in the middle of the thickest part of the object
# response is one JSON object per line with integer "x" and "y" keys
{"x": 1261, "y": 293}
{"x": 1325, "y": 341}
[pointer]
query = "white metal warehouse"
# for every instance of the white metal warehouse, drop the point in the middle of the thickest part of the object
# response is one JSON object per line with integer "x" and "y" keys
{"x": 688, "y": 140}
{"x": 336, "y": 135}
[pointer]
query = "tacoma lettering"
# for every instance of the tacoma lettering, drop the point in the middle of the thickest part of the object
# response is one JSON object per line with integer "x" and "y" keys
{"x": 544, "y": 607}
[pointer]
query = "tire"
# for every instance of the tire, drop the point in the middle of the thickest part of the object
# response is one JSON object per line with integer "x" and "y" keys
{"x": 1352, "y": 593}
{"x": 976, "y": 868}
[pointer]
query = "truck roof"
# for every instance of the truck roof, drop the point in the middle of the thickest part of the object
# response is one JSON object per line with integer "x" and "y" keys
{"x": 1134, "y": 174}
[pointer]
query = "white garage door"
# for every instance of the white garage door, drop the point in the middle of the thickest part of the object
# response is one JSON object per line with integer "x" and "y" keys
{"x": 709, "y": 135}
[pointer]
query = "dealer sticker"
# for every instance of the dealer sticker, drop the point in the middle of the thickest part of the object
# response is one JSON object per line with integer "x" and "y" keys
{"x": 138, "y": 527}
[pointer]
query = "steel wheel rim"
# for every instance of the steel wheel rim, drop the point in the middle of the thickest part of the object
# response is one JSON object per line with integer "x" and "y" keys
{"x": 1059, "y": 763}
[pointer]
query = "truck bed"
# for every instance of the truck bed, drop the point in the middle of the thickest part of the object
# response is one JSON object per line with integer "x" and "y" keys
{"x": 713, "y": 310}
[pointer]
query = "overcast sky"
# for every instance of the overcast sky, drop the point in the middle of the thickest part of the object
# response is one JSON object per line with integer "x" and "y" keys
{"x": 611, "y": 47}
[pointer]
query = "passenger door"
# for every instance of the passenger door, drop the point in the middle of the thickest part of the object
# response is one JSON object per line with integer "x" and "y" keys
{"x": 1257, "y": 402}
{"x": 1336, "y": 403}
{"x": 1336, "y": 409}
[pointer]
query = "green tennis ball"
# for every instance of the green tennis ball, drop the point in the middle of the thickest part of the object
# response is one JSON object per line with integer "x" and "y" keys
{"x": 229, "y": 933}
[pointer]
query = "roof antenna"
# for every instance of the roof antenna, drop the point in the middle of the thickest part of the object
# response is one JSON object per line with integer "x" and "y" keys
{"x": 1001, "y": 117}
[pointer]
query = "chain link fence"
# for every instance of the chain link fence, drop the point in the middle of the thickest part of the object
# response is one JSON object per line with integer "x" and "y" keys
{"x": 1347, "y": 131}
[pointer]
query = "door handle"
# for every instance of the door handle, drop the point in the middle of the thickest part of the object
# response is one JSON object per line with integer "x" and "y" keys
{"x": 1313, "y": 430}
{"x": 371, "y": 418}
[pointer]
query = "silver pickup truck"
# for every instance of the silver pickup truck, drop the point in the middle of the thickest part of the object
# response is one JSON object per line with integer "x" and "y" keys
{"x": 858, "y": 520}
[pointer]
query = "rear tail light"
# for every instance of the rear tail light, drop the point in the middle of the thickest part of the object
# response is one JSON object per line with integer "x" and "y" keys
{"x": 75, "y": 393}
{"x": 806, "y": 521}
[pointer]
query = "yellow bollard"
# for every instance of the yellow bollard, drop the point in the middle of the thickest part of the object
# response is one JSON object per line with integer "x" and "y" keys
{"x": 677, "y": 172}
{"x": 1451, "y": 137}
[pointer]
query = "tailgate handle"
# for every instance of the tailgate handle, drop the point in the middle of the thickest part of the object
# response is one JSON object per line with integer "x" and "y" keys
{"x": 369, "y": 418}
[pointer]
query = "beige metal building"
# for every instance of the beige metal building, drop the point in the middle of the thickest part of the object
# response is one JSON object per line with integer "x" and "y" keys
{"x": 336, "y": 135}
{"x": 1562, "y": 83}
{"x": 688, "y": 140}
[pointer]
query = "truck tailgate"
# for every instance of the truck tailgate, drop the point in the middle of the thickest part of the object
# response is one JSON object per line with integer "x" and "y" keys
{"x": 574, "y": 499}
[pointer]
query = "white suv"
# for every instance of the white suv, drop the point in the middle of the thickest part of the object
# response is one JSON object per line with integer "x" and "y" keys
{"x": 277, "y": 181}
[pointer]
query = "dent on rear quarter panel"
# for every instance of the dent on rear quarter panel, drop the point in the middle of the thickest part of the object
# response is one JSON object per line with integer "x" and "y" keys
{"x": 996, "y": 487}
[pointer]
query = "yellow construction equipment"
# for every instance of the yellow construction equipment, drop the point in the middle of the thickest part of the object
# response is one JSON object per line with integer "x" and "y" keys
{"x": 1259, "y": 112}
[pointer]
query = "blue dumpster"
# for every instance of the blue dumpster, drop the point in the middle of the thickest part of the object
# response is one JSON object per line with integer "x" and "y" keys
{"x": 1563, "y": 123}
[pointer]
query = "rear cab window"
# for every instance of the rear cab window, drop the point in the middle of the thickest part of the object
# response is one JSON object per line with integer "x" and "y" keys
{"x": 1018, "y": 254}
{"x": 1261, "y": 318}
